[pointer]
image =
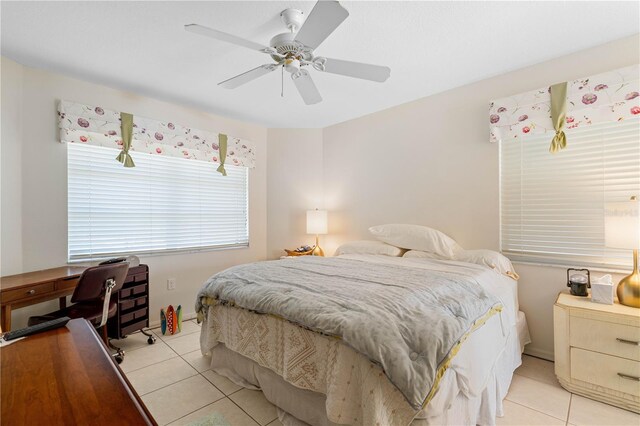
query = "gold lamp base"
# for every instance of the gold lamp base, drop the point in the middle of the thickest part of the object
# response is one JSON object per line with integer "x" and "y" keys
{"x": 317, "y": 250}
{"x": 629, "y": 287}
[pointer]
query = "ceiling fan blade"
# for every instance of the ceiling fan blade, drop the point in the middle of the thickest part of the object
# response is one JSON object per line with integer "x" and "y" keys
{"x": 246, "y": 77}
{"x": 325, "y": 17}
{"x": 306, "y": 87}
{"x": 229, "y": 38}
{"x": 354, "y": 69}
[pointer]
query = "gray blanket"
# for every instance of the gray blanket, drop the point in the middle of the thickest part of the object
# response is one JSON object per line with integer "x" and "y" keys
{"x": 406, "y": 319}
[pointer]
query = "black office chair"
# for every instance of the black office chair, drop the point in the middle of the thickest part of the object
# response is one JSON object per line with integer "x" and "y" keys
{"x": 92, "y": 299}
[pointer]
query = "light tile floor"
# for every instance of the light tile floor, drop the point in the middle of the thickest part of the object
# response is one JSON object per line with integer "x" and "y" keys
{"x": 176, "y": 384}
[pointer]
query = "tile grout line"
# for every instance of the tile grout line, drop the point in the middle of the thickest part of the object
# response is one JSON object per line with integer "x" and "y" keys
{"x": 533, "y": 409}
{"x": 164, "y": 387}
{"x": 127, "y": 351}
{"x": 177, "y": 381}
{"x": 243, "y": 410}
{"x": 180, "y": 355}
{"x": 539, "y": 381}
{"x": 569, "y": 410}
{"x": 188, "y": 414}
{"x": 169, "y": 346}
{"x": 155, "y": 363}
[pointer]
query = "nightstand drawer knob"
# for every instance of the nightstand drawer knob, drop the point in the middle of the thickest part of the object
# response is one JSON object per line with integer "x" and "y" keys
{"x": 32, "y": 292}
{"x": 626, "y": 376}
{"x": 628, "y": 342}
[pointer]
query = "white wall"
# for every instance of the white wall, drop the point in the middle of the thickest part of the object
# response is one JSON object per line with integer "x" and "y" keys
{"x": 294, "y": 186}
{"x": 10, "y": 166}
{"x": 34, "y": 183}
{"x": 429, "y": 162}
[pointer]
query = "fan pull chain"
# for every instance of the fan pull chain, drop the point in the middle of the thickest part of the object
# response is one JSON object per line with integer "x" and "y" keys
{"x": 282, "y": 83}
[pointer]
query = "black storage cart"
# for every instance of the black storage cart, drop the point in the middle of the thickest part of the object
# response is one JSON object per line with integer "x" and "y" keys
{"x": 132, "y": 303}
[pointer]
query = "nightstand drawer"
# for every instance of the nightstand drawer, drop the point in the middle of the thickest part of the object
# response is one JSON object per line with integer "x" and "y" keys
{"x": 605, "y": 337}
{"x": 619, "y": 374}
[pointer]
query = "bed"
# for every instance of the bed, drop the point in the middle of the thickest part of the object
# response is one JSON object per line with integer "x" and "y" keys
{"x": 367, "y": 339}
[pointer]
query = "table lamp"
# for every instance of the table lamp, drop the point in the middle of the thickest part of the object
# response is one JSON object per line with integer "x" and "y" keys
{"x": 622, "y": 230}
{"x": 317, "y": 224}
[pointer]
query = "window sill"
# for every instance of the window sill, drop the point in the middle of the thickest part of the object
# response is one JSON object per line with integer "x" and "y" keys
{"x": 599, "y": 268}
{"x": 145, "y": 255}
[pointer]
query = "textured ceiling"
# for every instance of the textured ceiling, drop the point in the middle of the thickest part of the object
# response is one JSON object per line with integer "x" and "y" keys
{"x": 430, "y": 47}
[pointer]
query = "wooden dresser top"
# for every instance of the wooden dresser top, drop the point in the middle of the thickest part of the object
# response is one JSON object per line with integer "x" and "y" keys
{"x": 65, "y": 376}
{"x": 36, "y": 277}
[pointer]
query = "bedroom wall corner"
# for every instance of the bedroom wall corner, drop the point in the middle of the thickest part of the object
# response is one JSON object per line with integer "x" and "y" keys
{"x": 294, "y": 185}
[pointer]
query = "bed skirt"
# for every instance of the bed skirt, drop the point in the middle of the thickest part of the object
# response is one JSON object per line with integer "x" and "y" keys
{"x": 321, "y": 381}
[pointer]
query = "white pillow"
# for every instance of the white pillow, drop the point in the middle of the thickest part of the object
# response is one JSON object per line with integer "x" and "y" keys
{"x": 416, "y": 254}
{"x": 416, "y": 237}
{"x": 369, "y": 247}
{"x": 490, "y": 258}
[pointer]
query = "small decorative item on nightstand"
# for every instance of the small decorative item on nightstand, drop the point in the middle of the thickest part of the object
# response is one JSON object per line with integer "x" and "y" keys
{"x": 300, "y": 251}
{"x": 602, "y": 290}
{"x": 579, "y": 282}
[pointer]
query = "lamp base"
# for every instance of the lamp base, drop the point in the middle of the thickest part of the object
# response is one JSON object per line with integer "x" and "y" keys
{"x": 317, "y": 250}
{"x": 629, "y": 287}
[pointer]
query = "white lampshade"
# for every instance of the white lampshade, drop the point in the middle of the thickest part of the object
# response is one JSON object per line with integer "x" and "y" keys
{"x": 316, "y": 222}
{"x": 622, "y": 225}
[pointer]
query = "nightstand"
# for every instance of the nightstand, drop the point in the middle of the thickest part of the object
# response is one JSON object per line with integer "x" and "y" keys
{"x": 597, "y": 350}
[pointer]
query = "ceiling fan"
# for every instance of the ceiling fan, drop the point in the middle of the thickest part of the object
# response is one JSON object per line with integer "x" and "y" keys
{"x": 295, "y": 51}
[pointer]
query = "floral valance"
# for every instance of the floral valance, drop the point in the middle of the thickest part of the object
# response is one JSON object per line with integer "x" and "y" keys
{"x": 95, "y": 125}
{"x": 611, "y": 96}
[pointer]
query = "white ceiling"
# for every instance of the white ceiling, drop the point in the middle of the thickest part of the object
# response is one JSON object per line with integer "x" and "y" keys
{"x": 430, "y": 47}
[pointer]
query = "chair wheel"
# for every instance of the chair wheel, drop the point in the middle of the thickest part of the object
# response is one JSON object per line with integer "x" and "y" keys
{"x": 151, "y": 340}
{"x": 119, "y": 359}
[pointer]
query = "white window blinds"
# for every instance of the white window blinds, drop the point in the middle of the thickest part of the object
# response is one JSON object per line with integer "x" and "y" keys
{"x": 552, "y": 206}
{"x": 163, "y": 204}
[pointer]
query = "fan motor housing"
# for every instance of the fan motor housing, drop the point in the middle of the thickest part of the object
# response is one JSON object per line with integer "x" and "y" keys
{"x": 286, "y": 45}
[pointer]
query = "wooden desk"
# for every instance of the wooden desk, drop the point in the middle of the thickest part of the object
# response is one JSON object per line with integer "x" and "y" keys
{"x": 18, "y": 291}
{"x": 66, "y": 377}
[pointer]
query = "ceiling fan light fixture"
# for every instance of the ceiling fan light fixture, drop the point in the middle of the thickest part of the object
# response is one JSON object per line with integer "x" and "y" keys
{"x": 292, "y": 65}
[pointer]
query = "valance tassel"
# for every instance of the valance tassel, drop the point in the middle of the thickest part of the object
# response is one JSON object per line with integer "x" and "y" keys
{"x": 125, "y": 158}
{"x": 558, "y": 116}
{"x": 222, "y": 146}
{"x": 126, "y": 126}
{"x": 559, "y": 142}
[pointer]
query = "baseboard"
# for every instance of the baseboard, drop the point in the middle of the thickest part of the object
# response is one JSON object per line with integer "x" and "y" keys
{"x": 185, "y": 317}
{"x": 538, "y": 353}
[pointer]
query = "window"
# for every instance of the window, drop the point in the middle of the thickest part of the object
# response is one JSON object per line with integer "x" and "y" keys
{"x": 552, "y": 206}
{"x": 164, "y": 204}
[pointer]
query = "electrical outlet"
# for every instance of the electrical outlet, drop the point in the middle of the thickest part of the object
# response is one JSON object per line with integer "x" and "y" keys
{"x": 171, "y": 284}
